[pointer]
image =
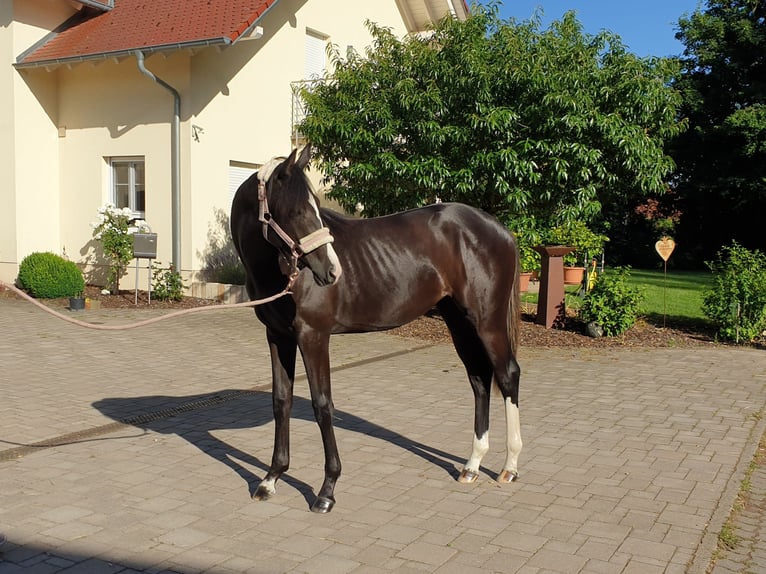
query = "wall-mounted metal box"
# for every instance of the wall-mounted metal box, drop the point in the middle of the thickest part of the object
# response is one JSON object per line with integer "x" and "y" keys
{"x": 145, "y": 245}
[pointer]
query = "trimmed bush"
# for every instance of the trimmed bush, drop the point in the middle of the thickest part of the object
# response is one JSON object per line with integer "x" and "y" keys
{"x": 612, "y": 303}
{"x": 48, "y": 276}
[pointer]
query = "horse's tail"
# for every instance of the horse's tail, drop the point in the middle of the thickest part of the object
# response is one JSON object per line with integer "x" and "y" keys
{"x": 514, "y": 304}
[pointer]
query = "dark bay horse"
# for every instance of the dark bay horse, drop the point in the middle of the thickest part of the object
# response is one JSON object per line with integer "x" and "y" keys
{"x": 351, "y": 275}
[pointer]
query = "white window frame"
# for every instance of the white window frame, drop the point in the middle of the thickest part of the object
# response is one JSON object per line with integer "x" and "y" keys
{"x": 133, "y": 183}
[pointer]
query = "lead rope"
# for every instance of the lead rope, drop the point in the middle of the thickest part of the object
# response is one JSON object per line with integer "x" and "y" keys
{"x": 126, "y": 326}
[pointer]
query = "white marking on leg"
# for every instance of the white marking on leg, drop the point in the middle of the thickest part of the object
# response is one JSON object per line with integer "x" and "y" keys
{"x": 268, "y": 485}
{"x": 513, "y": 437}
{"x": 480, "y": 448}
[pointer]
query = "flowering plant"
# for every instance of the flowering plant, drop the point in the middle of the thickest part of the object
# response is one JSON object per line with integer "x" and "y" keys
{"x": 114, "y": 230}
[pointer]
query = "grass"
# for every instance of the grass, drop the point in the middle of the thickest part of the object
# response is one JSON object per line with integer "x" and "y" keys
{"x": 677, "y": 294}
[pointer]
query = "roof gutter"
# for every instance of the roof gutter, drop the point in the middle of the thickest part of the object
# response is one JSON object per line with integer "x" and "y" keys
{"x": 175, "y": 159}
{"x": 53, "y": 62}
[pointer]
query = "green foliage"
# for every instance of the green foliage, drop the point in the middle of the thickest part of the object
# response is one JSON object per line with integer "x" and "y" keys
{"x": 112, "y": 229}
{"x": 613, "y": 302}
{"x": 527, "y": 237}
{"x": 576, "y": 234}
{"x": 722, "y": 157}
{"x": 48, "y": 276}
{"x": 167, "y": 284}
{"x": 736, "y": 300}
{"x": 516, "y": 120}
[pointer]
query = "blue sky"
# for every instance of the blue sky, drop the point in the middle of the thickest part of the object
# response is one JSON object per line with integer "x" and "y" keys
{"x": 647, "y": 27}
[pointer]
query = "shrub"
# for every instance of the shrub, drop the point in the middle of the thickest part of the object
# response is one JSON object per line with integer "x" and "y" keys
{"x": 736, "y": 300}
{"x": 612, "y": 303}
{"x": 167, "y": 284}
{"x": 47, "y": 276}
{"x": 113, "y": 230}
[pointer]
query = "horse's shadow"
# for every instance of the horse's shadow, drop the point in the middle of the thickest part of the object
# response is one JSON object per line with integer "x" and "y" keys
{"x": 195, "y": 417}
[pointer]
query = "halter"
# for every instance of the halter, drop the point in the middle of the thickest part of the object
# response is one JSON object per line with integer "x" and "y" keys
{"x": 298, "y": 249}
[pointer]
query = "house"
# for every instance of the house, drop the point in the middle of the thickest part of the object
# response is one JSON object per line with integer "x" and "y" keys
{"x": 160, "y": 106}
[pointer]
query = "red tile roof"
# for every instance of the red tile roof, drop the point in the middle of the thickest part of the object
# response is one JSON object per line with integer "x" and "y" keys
{"x": 147, "y": 25}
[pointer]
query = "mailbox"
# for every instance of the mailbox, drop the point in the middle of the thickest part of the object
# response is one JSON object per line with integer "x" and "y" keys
{"x": 145, "y": 245}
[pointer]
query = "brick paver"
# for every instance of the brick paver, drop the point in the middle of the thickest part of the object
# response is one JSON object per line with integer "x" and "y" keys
{"x": 631, "y": 459}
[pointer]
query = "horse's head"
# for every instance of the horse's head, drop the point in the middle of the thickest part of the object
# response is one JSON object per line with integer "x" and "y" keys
{"x": 290, "y": 213}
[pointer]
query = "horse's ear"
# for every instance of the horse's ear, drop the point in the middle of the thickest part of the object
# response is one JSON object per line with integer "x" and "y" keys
{"x": 291, "y": 158}
{"x": 305, "y": 157}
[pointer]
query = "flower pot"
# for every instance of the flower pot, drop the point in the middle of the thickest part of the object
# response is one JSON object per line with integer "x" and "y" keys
{"x": 573, "y": 275}
{"x": 524, "y": 278}
{"x": 76, "y": 303}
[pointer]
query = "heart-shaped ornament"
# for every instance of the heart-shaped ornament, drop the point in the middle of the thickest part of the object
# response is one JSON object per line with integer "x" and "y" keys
{"x": 665, "y": 247}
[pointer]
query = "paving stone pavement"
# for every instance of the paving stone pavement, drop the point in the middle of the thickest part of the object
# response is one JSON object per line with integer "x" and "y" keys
{"x": 137, "y": 451}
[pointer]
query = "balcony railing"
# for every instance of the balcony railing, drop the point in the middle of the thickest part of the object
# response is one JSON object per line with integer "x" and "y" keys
{"x": 298, "y": 109}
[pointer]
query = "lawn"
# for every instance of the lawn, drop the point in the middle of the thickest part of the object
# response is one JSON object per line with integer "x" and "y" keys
{"x": 679, "y": 294}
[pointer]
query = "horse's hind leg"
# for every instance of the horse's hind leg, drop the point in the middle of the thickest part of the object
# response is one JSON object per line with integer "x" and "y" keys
{"x": 283, "y": 353}
{"x": 471, "y": 351}
{"x": 499, "y": 350}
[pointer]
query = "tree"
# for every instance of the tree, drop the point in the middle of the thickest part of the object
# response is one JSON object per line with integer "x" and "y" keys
{"x": 721, "y": 159}
{"x": 537, "y": 127}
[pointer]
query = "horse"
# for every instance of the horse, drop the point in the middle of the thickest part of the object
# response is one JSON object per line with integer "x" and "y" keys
{"x": 350, "y": 275}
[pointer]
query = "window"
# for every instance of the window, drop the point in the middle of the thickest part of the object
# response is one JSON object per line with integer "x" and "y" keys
{"x": 128, "y": 187}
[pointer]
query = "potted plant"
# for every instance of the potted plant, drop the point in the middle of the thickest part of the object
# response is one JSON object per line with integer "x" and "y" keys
{"x": 77, "y": 302}
{"x": 586, "y": 243}
{"x": 529, "y": 259}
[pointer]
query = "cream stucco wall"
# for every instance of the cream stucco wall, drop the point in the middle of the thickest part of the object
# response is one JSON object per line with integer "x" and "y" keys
{"x": 75, "y": 118}
{"x": 29, "y": 193}
{"x": 112, "y": 110}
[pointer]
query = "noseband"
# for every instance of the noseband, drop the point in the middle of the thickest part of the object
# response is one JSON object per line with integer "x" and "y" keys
{"x": 298, "y": 249}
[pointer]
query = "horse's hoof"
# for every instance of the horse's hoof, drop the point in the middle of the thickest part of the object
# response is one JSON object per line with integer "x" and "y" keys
{"x": 322, "y": 505}
{"x": 508, "y": 476}
{"x": 467, "y": 476}
{"x": 262, "y": 493}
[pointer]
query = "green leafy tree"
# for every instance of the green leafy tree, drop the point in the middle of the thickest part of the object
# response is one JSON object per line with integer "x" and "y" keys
{"x": 538, "y": 127}
{"x": 721, "y": 159}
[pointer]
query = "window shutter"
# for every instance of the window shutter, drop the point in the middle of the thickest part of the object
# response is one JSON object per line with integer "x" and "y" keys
{"x": 316, "y": 57}
{"x": 238, "y": 173}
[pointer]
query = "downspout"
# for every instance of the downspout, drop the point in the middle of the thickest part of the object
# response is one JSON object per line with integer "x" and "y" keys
{"x": 175, "y": 159}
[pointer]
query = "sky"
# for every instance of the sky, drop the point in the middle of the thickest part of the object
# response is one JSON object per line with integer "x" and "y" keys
{"x": 647, "y": 27}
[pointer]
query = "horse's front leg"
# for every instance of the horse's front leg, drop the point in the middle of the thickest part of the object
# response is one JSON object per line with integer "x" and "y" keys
{"x": 480, "y": 445}
{"x": 314, "y": 347}
{"x": 283, "y": 352}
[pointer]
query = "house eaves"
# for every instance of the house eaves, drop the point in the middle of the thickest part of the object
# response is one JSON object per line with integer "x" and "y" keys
{"x": 105, "y": 6}
{"x": 420, "y": 15}
{"x": 149, "y": 27}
